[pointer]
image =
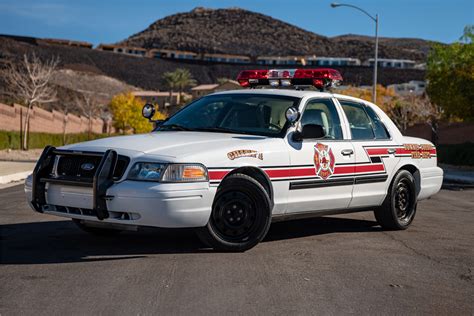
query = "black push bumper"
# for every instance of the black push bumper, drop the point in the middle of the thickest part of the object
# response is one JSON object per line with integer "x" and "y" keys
{"x": 102, "y": 180}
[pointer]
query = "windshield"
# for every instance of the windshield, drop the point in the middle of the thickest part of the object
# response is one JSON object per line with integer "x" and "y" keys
{"x": 256, "y": 114}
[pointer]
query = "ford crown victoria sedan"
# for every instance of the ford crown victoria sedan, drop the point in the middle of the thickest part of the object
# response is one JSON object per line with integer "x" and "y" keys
{"x": 230, "y": 163}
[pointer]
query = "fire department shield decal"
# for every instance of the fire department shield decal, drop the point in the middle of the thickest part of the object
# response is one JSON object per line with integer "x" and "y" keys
{"x": 323, "y": 160}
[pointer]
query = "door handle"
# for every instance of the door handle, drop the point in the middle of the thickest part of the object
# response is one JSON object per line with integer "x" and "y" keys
{"x": 391, "y": 150}
{"x": 347, "y": 152}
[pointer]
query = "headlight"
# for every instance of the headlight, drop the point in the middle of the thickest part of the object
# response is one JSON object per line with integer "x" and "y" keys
{"x": 185, "y": 173}
{"x": 146, "y": 171}
{"x": 149, "y": 171}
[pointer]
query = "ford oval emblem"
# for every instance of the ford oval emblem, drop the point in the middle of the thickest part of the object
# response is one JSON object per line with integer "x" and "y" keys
{"x": 87, "y": 166}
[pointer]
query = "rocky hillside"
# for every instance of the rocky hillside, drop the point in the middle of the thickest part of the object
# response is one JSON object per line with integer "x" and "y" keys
{"x": 145, "y": 73}
{"x": 238, "y": 31}
{"x": 416, "y": 48}
{"x": 102, "y": 86}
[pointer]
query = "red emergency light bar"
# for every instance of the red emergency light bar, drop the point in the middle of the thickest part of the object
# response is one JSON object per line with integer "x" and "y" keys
{"x": 322, "y": 78}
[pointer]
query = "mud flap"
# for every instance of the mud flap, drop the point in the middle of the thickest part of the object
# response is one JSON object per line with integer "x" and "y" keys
{"x": 103, "y": 179}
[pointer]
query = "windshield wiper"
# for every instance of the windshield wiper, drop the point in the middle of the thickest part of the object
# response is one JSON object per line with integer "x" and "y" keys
{"x": 216, "y": 129}
{"x": 176, "y": 127}
{"x": 219, "y": 130}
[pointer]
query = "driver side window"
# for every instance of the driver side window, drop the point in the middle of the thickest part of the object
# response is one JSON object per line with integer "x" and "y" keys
{"x": 323, "y": 112}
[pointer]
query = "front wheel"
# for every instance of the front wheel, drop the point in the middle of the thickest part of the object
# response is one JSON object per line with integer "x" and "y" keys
{"x": 399, "y": 208}
{"x": 241, "y": 215}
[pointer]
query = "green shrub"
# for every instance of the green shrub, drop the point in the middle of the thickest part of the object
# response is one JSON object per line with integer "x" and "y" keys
{"x": 39, "y": 140}
{"x": 4, "y": 140}
{"x": 457, "y": 154}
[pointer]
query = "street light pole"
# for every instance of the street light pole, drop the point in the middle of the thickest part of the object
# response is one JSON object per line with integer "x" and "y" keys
{"x": 374, "y": 88}
{"x": 376, "y": 20}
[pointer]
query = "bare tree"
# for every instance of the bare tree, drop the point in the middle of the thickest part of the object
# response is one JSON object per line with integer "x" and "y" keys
{"x": 90, "y": 107}
{"x": 430, "y": 114}
{"x": 415, "y": 109}
{"x": 65, "y": 111}
{"x": 29, "y": 81}
{"x": 402, "y": 114}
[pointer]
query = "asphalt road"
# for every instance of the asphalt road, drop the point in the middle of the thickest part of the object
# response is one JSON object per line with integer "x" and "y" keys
{"x": 331, "y": 265}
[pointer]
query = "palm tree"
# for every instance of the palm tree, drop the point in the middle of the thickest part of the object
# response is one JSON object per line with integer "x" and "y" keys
{"x": 179, "y": 80}
{"x": 170, "y": 81}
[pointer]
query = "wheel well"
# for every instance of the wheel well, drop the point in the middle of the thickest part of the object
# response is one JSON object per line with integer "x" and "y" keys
{"x": 258, "y": 175}
{"x": 415, "y": 173}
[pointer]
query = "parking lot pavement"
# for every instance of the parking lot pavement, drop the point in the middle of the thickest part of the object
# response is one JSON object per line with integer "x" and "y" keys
{"x": 332, "y": 265}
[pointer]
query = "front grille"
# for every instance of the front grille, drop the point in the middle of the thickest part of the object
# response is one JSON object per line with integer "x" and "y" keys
{"x": 71, "y": 210}
{"x": 89, "y": 212}
{"x": 69, "y": 166}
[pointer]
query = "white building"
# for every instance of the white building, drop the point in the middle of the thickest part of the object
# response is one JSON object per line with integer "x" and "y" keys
{"x": 332, "y": 61}
{"x": 125, "y": 50}
{"x": 413, "y": 87}
{"x": 173, "y": 54}
{"x": 280, "y": 60}
{"x": 393, "y": 63}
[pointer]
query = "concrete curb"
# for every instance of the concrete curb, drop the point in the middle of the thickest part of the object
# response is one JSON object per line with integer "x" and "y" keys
{"x": 14, "y": 177}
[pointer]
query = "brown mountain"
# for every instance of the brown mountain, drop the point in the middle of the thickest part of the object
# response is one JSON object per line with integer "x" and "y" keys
{"x": 238, "y": 31}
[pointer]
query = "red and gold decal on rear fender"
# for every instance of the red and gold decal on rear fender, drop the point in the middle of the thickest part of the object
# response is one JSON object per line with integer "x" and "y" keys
{"x": 324, "y": 160}
{"x": 417, "y": 151}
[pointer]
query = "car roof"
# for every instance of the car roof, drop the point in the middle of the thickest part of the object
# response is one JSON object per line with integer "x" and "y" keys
{"x": 291, "y": 93}
{"x": 283, "y": 92}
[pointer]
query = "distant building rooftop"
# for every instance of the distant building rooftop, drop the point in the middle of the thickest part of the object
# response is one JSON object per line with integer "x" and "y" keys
{"x": 105, "y": 46}
{"x": 205, "y": 87}
{"x": 67, "y": 42}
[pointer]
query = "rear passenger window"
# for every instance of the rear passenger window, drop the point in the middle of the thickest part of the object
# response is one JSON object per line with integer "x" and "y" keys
{"x": 379, "y": 129}
{"x": 359, "y": 121}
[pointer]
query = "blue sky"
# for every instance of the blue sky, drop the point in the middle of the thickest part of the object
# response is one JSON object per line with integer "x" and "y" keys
{"x": 109, "y": 21}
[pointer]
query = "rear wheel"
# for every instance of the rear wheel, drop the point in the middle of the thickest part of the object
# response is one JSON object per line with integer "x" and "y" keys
{"x": 399, "y": 208}
{"x": 98, "y": 231}
{"x": 241, "y": 215}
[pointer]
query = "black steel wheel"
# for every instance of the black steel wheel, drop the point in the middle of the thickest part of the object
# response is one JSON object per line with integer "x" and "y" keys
{"x": 235, "y": 215}
{"x": 399, "y": 208}
{"x": 241, "y": 215}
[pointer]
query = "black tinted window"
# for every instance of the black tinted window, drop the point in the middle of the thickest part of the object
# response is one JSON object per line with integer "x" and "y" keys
{"x": 359, "y": 121}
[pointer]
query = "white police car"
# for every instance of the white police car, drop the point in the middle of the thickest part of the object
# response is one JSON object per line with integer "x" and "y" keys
{"x": 232, "y": 162}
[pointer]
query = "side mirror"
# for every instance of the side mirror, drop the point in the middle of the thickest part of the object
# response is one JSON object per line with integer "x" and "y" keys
{"x": 148, "y": 111}
{"x": 292, "y": 115}
{"x": 310, "y": 131}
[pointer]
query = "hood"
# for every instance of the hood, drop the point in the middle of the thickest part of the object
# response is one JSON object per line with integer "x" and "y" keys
{"x": 167, "y": 143}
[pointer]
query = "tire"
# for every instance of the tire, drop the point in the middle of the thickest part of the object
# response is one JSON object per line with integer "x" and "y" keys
{"x": 399, "y": 207}
{"x": 104, "y": 232}
{"x": 241, "y": 215}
